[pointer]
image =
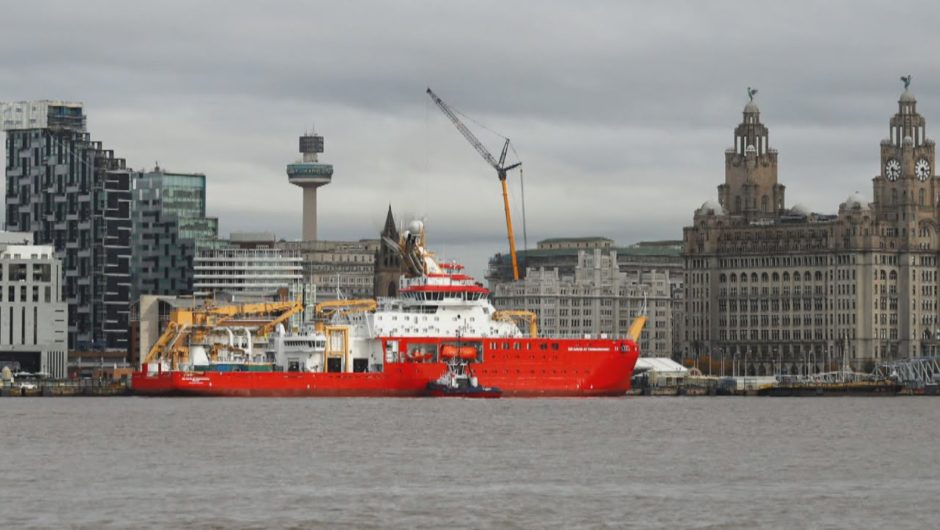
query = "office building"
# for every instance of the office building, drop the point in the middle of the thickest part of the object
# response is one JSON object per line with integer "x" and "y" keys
{"x": 33, "y": 316}
{"x": 169, "y": 224}
{"x": 597, "y": 298}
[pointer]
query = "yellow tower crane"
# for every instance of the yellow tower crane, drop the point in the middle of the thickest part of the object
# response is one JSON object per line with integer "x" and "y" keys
{"x": 499, "y": 165}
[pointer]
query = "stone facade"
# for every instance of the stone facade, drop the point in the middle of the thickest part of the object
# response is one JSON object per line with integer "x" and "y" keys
{"x": 388, "y": 266}
{"x": 599, "y": 297}
{"x": 800, "y": 291}
{"x": 336, "y": 268}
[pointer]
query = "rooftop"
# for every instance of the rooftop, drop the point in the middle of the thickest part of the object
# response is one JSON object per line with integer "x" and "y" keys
{"x": 575, "y": 239}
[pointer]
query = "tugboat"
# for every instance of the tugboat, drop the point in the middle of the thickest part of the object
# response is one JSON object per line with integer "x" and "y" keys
{"x": 458, "y": 380}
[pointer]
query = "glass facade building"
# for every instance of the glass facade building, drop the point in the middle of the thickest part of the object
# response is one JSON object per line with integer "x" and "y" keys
{"x": 170, "y": 227}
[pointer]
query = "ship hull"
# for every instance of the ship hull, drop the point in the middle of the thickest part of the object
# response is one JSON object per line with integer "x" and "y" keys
{"x": 396, "y": 381}
{"x": 563, "y": 368}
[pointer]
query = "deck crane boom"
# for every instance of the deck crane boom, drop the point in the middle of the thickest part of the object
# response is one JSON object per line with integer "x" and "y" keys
{"x": 498, "y": 165}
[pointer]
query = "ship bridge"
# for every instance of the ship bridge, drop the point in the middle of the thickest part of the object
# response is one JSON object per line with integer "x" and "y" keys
{"x": 447, "y": 285}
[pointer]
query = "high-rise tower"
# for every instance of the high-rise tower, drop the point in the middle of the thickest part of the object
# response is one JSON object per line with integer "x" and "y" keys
{"x": 74, "y": 195}
{"x": 310, "y": 174}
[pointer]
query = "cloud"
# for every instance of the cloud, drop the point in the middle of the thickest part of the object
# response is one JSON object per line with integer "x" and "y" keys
{"x": 620, "y": 111}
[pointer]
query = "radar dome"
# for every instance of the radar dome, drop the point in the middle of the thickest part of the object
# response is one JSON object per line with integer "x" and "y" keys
{"x": 416, "y": 226}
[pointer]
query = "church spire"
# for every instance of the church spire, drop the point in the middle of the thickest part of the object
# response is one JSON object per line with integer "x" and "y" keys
{"x": 390, "y": 229}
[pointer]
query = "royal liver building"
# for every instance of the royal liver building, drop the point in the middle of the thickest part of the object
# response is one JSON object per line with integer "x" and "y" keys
{"x": 795, "y": 290}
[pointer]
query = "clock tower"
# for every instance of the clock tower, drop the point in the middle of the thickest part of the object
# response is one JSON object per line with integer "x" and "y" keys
{"x": 751, "y": 189}
{"x": 906, "y": 191}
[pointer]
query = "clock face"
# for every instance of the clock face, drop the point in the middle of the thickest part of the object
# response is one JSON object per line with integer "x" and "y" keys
{"x": 922, "y": 169}
{"x": 892, "y": 170}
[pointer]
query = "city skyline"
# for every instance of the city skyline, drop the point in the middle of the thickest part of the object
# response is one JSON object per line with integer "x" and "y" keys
{"x": 621, "y": 114}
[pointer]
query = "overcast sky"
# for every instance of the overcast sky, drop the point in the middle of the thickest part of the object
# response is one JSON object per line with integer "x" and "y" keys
{"x": 620, "y": 111}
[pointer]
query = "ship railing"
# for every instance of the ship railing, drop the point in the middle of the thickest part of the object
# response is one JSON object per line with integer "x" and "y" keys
{"x": 843, "y": 376}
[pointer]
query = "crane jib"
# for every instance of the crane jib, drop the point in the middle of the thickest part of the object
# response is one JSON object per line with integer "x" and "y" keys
{"x": 497, "y": 165}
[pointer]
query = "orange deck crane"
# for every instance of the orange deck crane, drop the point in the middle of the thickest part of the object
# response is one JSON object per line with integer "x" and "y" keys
{"x": 326, "y": 310}
{"x": 195, "y": 323}
{"x": 499, "y": 165}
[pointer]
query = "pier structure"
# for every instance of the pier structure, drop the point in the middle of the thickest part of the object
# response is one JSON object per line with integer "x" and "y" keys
{"x": 309, "y": 173}
{"x": 916, "y": 373}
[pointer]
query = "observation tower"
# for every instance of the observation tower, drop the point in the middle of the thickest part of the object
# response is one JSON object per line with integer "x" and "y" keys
{"x": 310, "y": 174}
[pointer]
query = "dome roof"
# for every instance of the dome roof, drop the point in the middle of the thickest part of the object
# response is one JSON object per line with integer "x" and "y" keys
{"x": 710, "y": 207}
{"x": 908, "y": 96}
{"x": 855, "y": 202}
{"x": 751, "y": 107}
{"x": 800, "y": 209}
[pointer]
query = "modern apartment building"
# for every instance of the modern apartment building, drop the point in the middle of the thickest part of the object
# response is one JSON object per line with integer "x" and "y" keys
{"x": 33, "y": 316}
{"x": 248, "y": 274}
{"x": 169, "y": 225}
{"x": 74, "y": 195}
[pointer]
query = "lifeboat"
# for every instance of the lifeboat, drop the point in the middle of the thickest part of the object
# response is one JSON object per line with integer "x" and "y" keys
{"x": 465, "y": 353}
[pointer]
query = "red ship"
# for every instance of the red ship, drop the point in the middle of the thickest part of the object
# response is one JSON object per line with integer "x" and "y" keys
{"x": 396, "y": 347}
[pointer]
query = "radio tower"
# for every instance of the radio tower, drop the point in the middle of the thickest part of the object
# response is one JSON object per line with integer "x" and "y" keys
{"x": 310, "y": 174}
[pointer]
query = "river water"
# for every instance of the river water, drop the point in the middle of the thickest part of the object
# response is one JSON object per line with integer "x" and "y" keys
{"x": 512, "y": 463}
